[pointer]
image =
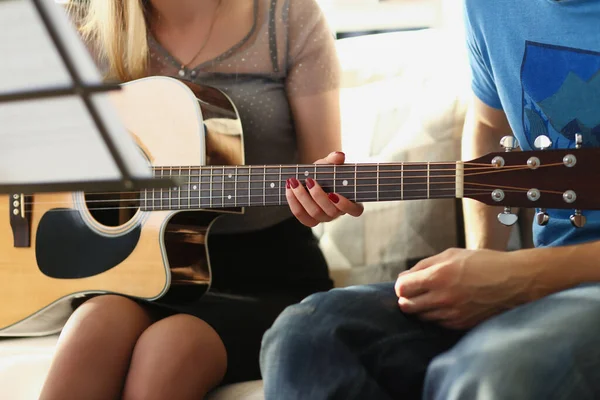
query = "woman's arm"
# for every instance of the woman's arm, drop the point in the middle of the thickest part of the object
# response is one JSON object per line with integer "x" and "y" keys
{"x": 318, "y": 124}
{"x": 313, "y": 87}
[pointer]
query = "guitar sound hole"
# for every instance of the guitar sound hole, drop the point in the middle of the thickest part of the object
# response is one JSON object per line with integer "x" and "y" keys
{"x": 112, "y": 209}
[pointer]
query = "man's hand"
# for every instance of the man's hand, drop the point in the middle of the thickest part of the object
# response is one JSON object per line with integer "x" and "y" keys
{"x": 311, "y": 205}
{"x": 460, "y": 288}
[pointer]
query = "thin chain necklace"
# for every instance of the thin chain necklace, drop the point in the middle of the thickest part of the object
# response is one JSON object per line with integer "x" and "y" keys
{"x": 184, "y": 66}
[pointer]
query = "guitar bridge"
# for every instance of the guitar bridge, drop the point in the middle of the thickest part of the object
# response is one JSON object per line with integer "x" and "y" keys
{"x": 20, "y": 222}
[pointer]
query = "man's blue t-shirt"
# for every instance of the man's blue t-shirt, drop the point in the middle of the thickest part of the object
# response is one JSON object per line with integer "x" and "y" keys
{"x": 539, "y": 61}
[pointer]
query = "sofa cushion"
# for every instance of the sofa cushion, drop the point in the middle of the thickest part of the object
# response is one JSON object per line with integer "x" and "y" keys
{"x": 24, "y": 363}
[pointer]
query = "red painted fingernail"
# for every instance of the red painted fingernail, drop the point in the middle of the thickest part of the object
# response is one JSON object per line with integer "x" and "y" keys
{"x": 294, "y": 182}
{"x": 341, "y": 153}
{"x": 333, "y": 197}
{"x": 310, "y": 183}
{"x": 287, "y": 184}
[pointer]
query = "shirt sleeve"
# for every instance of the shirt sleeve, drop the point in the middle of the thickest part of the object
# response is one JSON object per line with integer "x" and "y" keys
{"x": 312, "y": 63}
{"x": 482, "y": 80}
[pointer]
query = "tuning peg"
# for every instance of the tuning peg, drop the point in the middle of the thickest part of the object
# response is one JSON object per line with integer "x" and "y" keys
{"x": 509, "y": 143}
{"x": 578, "y": 140}
{"x": 578, "y": 219}
{"x": 542, "y": 218}
{"x": 542, "y": 142}
{"x": 507, "y": 218}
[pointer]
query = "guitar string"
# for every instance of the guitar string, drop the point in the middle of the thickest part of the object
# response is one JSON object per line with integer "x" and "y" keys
{"x": 202, "y": 206}
{"x": 173, "y": 196}
{"x": 379, "y": 183}
{"x": 350, "y": 164}
{"x": 343, "y": 189}
{"x": 341, "y": 168}
{"x": 405, "y": 175}
{"x": 404, "y": 195}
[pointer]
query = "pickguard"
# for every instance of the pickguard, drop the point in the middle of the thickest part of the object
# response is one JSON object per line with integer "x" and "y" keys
{"x": 67, "y": 248}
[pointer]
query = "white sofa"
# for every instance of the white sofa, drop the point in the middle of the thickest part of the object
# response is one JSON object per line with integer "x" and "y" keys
{"x": 404, "y": 98}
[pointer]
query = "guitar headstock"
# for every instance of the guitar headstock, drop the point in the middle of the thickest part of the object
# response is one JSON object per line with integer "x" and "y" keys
{"x": 561, "y": 179}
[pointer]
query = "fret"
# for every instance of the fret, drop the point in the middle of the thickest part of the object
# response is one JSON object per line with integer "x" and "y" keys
{"x": 326, "y": 177}
{"x": 156, "y": 193}
{"x": 205, "y": 189}
{"x": 243, "y": 186}
{"x": 191, "y": 193}
{"x": 442, "y": 180}
{"x": 401, "y": 181}
{"x": 173, "y": 193}
{"x": 355, "y": 176}
{"x": 415, "y": 181}
{"x": 165, "y": 194}
{"x": 345, "y": 181}
{"x": 223, "y": 185}
{"x": 249, "y": 185}
{"x": 257, "y": 187}
{"x": 390, "y": 182}
{"x": 229, "y": 192}
{"x": 304, "y": 172}
{"x": 428, "y": 186}
{"x": 145, "y": 206}
{"x": 377, "y": 181}
{"x": 152, "y": 191}
{"x": 180, "y": 176}
{"x": 217, "y": 187}
{"x": 334, "y": 172}
{"x": 235, "y": 181}
{"x": 264, "y": 182}
{"x": 272, "y": 185}
{"x": 281, "y": 185}
{"x": 366, "y": 183}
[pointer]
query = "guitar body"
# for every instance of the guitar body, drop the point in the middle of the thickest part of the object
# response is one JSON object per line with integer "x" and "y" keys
{"x": 74, "y": 245}
{"x": 58, "y": 248}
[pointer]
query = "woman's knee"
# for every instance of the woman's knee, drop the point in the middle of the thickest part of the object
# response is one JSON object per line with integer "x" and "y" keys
{"x": 179, "y": 351}
{"x": 108, "y": 316}
{"x": 186, "y": 334}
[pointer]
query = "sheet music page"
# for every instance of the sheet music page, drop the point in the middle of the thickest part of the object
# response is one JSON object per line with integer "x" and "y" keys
{"x": 53, "y": 140}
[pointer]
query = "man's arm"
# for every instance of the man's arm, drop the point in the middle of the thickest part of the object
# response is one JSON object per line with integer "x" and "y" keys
{"x": 460, "y": 288}
{"x": 484, "y": 127}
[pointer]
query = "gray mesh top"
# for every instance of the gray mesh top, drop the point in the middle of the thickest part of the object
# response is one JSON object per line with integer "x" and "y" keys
{"x": 289, "y": 51}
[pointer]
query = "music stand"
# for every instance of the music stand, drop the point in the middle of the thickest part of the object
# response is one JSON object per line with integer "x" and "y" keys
{"x": 54, "y": 156}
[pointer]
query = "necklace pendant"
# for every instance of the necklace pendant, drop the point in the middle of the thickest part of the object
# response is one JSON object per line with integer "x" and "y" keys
{"x": 181, "y": 72}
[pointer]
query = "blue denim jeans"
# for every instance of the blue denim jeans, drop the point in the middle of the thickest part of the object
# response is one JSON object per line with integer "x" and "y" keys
{"x": 355, "y": 343}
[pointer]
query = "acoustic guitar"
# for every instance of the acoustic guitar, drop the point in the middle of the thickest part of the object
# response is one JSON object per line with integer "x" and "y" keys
{"x": 60, "y": 247}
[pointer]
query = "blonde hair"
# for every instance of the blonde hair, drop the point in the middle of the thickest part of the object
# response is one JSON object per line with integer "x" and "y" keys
{"x": 116, "y": 30}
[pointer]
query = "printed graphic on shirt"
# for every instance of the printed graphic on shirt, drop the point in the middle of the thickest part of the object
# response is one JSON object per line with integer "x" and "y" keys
{"x": 561, "y": 94}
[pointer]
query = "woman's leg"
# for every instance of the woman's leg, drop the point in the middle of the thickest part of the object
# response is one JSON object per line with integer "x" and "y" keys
{"x": 94, "y": 349}
{"x": 110, "y": 347}
{"x": 179, "y": 357}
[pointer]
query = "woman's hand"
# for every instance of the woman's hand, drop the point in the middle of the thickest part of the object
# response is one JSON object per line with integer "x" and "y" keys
{"x": 311, "y": 205}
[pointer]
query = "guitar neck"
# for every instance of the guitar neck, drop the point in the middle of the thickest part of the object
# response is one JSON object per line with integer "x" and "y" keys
{"x": 248, "y": 186}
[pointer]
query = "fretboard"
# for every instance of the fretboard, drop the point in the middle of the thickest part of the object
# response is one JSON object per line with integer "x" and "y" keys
{"x": 246, "y": 186}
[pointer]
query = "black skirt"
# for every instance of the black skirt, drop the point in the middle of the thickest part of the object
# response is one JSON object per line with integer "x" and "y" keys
{"x": 255, "y": 276}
